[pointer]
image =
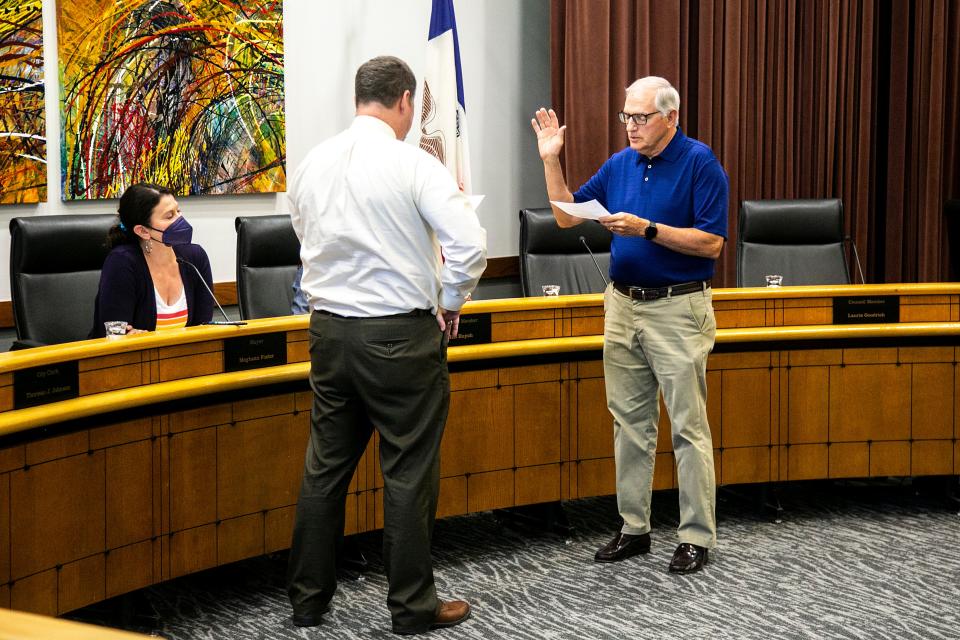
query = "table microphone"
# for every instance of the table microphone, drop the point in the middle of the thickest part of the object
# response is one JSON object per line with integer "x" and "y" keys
{"x": 595, "y": 263}
{"x": 226, "y": 320}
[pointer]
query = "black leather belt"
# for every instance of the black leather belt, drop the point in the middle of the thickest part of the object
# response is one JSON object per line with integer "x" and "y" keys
{"x": 416, "y": 313}
{"x": 642, "y": 293}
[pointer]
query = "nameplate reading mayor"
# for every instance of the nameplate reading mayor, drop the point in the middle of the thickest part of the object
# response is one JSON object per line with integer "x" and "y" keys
{"x": 40, "y": 385}
{"x": 866, "y": 309}
{"x": 254, "y": 352}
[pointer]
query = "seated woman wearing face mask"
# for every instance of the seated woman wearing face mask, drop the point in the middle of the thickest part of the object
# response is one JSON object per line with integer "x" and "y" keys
{"x": 147, "y": 279}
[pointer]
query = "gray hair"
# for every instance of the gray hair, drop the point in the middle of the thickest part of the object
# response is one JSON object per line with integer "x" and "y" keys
{"x": 667, "y": 98}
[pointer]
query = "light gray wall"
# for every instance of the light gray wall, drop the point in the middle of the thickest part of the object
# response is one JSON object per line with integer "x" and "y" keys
{"x": 505, "y": 52}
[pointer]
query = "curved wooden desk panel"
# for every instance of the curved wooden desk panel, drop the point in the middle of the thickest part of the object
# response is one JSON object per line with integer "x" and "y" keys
{"x": 166, "y": 463}
{"x": 15, "y": 625}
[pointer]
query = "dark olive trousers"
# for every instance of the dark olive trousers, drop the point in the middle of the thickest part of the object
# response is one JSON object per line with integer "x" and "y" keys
{"x": 390, "y": 374}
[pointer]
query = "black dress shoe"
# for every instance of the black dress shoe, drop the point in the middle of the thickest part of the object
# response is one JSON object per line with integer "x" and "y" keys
{"x": 688, "y": 558}
{"x": 623, "y": 546}
{"x": 307, "y": 620}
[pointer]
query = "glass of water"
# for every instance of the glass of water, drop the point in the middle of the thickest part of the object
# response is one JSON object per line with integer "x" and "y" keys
{"x": 774, "y": 280}
{"x": 115, "y": 328}
{"x": 551, "y": 289}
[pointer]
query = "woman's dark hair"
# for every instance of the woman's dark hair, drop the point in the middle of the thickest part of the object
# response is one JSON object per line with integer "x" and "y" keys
{"x": 136, "y": 205}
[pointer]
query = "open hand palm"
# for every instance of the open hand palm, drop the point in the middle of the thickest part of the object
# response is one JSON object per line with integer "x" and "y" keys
{"x": 549, "y": 133}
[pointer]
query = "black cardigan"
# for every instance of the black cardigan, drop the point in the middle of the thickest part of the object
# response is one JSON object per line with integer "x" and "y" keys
{"x": 127, "y": 292}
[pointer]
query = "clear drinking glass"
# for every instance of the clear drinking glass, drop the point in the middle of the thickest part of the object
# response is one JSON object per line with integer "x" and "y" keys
{"x": 551, "y": 289}
{"x": 774, "y": 280}
{"x": 115, "y": 328}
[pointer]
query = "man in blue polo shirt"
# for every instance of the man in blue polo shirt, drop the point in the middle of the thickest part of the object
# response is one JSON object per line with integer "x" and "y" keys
{"x": 669, "y": 193}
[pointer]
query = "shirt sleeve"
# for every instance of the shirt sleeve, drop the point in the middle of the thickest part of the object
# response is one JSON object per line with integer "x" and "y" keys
{"x": 463, "y": 241}
{"x": 596, "y": 187}
{"x": 295, "y": 219}
{"x": 711, "y": 190}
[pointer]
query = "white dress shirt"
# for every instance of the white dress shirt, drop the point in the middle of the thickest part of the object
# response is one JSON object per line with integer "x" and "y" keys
{"x": 372, "y": 214}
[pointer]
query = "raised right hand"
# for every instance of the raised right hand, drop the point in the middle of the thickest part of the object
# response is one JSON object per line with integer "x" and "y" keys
{"x": 549, "y": 133}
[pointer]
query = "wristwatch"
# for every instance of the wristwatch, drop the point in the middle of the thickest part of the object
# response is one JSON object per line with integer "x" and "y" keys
{"x": 651, "y": 231}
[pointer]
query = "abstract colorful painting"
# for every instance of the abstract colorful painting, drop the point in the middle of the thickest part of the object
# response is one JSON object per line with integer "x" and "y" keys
{"x": 183, "y": 93}
{"x": 23, "y": 142}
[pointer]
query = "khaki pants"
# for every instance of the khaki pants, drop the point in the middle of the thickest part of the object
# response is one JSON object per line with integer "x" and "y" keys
{"x": 649, "y": 347}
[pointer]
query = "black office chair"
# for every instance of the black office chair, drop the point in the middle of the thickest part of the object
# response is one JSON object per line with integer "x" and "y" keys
{"x": 801, "y": 240}
{"x": 268, "y": 254}
{"x": 551, "y": 255}
{"x": 55, "y": 264}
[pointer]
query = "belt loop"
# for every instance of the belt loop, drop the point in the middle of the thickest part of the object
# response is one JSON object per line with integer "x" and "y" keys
{"x": 669, "y": 292}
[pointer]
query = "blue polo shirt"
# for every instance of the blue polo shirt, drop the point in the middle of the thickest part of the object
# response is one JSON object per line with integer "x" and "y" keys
{"x": 684, "y": 186}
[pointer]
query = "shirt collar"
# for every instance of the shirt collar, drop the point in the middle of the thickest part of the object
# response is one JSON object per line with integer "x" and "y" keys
{"x": 671, "y": 152}
{"x": 370, "y": 124}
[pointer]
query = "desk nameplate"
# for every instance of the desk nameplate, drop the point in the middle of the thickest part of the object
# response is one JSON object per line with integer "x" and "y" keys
{"x": 42, "y": 385}
{"x": 474, "y": 329}
{"x": 254, "y": 352}
{"x": 866, "y": 309}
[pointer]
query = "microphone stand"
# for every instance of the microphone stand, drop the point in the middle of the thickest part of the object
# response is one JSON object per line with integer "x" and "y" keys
{"x": 226, "y": 320}
{"x": 856, "y": 257}
{"x": 595, "y": 263}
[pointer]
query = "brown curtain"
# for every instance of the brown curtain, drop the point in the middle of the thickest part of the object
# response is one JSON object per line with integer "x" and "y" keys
{"x": 854, "y": 99}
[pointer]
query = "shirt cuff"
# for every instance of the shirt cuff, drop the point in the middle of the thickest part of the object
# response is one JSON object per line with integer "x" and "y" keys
{"x": 450, "y": 302}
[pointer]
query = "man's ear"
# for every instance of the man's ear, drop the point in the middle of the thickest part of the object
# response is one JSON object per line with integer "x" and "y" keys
{"x": 406, "y": 101}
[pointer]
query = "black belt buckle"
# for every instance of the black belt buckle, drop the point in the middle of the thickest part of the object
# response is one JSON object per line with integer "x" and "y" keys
{"x": 646, "y": 294}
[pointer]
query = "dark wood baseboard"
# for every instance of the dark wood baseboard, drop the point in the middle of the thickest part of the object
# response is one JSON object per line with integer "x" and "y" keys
{"x": 226, "y": 292}
{"x": 506, "y": 267}
{"x": 6, "y": 314}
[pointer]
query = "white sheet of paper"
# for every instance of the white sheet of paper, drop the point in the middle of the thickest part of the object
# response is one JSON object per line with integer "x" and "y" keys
{"x": 475, "y": 201}
{"x": 591, "y": 210}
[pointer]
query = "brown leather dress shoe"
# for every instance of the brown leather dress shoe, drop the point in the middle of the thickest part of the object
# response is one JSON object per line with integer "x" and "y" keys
{"x": 688, "y": 558}
{"x": 450, "y": 615}
{"x": 623, "y": 546}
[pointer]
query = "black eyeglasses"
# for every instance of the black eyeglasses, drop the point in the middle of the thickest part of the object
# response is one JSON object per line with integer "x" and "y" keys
{"x": 639, "y": 119}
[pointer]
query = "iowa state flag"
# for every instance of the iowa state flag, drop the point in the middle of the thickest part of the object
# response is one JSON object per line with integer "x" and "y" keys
{"x": 443, "y": 120}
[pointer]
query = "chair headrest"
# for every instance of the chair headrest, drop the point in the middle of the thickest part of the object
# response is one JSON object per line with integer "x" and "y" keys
{"x": 59, "y": 244}
{"x": 540, "y": 234}
{"x": 267, "y": 241}
{"x": 791, "y": 222}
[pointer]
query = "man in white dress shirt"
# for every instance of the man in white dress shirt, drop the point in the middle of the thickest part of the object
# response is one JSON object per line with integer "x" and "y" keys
{"x": 372, "y": 214}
